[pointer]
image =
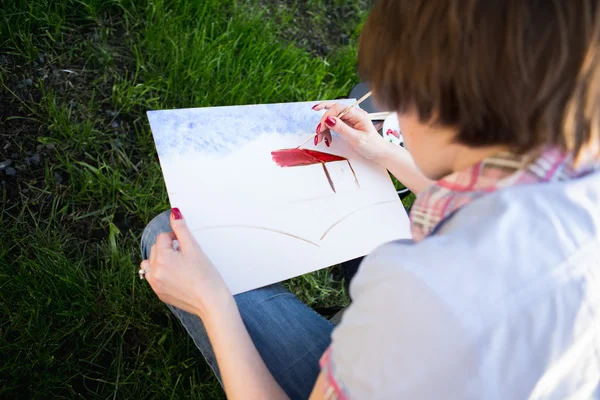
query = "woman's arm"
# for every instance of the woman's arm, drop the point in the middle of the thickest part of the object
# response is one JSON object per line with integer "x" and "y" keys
{"x": 244, "y": 374}
{"x": 187, "y": 279}
{"x": 400, "y": 163}
{"x": 318, "y": 392}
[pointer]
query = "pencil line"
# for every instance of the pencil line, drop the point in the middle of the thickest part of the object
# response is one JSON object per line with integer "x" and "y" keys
{"x": 354, "y": 212}
{"x": 256, "y": 227}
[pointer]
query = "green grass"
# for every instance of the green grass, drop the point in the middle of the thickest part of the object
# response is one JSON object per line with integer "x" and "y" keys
{"x": 74, "y": 319}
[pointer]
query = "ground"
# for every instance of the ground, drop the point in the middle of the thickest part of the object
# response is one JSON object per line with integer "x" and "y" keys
{"x": 80, "y": 179}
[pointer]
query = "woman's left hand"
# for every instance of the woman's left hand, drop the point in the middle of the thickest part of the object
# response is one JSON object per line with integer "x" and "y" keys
{"x": 184, "y": 277}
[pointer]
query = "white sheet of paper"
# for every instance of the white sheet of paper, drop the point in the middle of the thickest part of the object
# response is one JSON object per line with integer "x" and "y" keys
{"x": 261, "y": 223}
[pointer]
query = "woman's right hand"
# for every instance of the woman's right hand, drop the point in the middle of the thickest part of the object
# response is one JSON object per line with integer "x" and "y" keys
{"x": 356, "y": 127}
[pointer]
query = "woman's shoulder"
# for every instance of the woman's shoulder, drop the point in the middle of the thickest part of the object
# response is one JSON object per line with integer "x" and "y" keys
{"x": 496, "y": 289}
{"x": 509, "y": 245}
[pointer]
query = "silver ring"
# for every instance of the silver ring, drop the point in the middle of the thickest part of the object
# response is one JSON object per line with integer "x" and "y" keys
{"x": 143, "y": 273}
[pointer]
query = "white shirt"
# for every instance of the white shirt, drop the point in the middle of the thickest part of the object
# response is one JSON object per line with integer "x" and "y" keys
{"x": 502, "y": 303}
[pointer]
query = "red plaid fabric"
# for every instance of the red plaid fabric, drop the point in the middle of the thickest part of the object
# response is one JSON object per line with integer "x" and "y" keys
{"x": 499, "y": 171}
{"x": 334, "y": 389}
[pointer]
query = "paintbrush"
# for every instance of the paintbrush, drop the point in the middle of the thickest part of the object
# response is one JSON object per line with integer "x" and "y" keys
{"x": 340, "y": 115}
{"x": 379, "y": 116}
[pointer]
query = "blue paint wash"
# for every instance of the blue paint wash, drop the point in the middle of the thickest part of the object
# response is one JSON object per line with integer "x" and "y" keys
{"x": 221, "y": 130}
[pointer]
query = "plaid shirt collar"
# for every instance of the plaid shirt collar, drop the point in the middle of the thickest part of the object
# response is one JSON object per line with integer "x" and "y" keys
{"x": 502, "y": 170}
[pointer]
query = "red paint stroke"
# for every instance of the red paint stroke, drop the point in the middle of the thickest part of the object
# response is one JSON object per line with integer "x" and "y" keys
{"x": 298, "y": 157}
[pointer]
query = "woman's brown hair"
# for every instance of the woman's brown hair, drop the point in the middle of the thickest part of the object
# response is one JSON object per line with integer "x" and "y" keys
{"x": 520, "y": 73}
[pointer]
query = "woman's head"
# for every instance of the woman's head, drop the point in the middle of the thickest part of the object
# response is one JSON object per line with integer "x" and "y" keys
{"x": 516, "y": 74}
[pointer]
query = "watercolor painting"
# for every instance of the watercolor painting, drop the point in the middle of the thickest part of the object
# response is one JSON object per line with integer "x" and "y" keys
{"x": 264, "y": 209}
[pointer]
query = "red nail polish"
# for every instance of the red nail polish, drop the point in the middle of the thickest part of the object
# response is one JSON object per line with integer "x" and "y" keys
{"x": 315, "y": 106}
{"x": 176, "y": 213}
{"x": 330, "y": 121}
{"x": 326, "y": 142}
{"x": 318, "y": 128}
{"x": 316, "y": 140}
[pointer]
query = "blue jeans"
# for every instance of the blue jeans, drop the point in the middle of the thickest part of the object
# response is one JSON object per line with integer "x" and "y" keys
{"x": 289, "y": 335}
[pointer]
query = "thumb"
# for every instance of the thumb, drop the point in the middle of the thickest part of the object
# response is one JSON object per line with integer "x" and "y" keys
{"x": 180, "y": 228}
{"x": 345, "y": 130}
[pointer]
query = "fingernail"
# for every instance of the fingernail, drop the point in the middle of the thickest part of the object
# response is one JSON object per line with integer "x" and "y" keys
{"x": 318, "y": 128}
{"x": 326, "y": 142}
{"x": 330, "y": 121}
{"x": 176, "y": 213}
{"x": 315, "y": 106}
{"x": 316, "y": 140}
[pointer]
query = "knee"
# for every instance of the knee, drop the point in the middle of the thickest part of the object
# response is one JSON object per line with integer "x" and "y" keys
{"x": 161, "y": 223}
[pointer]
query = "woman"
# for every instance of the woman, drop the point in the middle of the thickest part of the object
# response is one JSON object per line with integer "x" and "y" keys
{"x": 496, "y": 296}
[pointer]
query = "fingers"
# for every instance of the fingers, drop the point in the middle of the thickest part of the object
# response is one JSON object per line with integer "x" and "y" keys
{"x": 153, "y": 252}
{"x": 343, "y": 129}
{"x": 149, "y": 275}
{"x": 324, "y": 105}
{"x": 145, "y": 265}
{"x": 327, "y": 138}
{"x": 322, "y": 130}
{"x": 165, "y": 240}
{"x": 332, "y": 111}
{"x": 357, "y": 116}
{"x": 356, "y": 119}
{"x": 181, "y": 230}
{"x": 324, "y": 136}
{"x": 318, "y": 137}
